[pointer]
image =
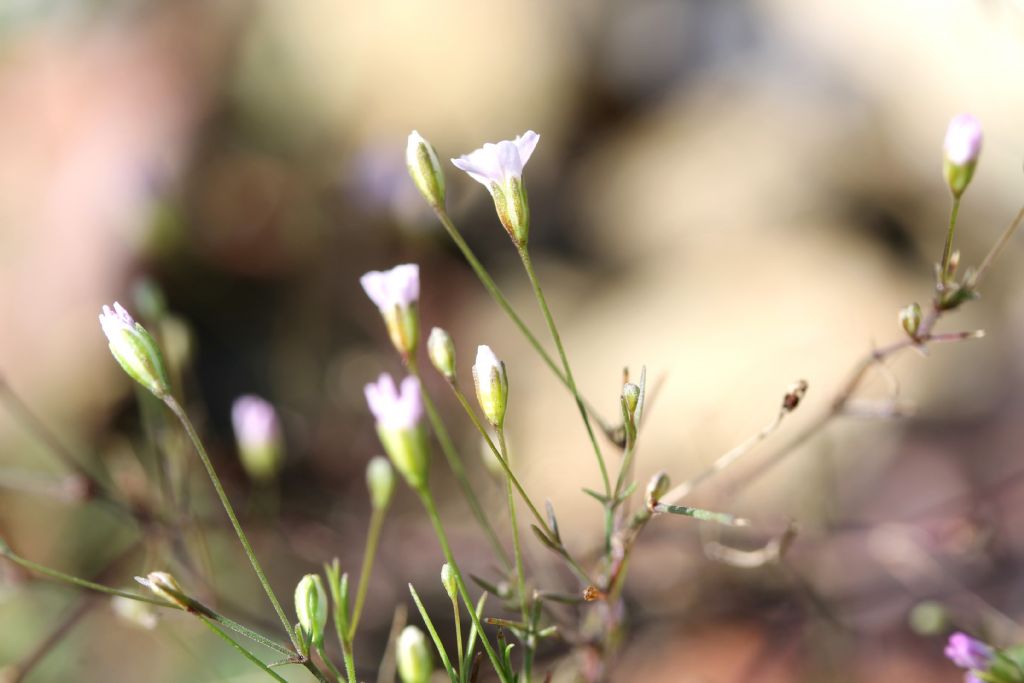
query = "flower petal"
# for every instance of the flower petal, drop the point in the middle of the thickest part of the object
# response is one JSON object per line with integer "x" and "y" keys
{"x": 526, "y": 143}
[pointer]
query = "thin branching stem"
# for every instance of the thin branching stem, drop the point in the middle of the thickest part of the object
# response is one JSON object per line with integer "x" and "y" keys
{"x": 190, "y": 429}
{"x": 947, "y": 250}
{"x": 442, "y": 537}
{"x": 458, "y": 469}
{"x": 372, "y": 540}
{"x": 524, "y": 603}
{"x": 503, "y": 302}
{"x": 524, "y": 255}
{"x": 241, "y": 650}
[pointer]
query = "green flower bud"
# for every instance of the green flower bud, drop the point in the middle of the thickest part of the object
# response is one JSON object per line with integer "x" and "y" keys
{"x": 448, "y": 580}
{"x": 311, "y": 607}
{"x": 414, "y": 661}
{"x": 656, "y": 488}
{"x": 910, "y": 319}
{"x": 491, "y": 386}
{"x": 441, "y": 350}
{"x": 425, "y": 169}
{"x": 135, "y": 350}
{"x": 380, "y": 480}
{"x": 631, "y": 395}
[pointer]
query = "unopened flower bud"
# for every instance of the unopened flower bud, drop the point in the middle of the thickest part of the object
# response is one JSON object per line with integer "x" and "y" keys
{"x": 164, "y": 586}
{"x": 398, "y": 415}
{"x": 425, "y": 169}
{"x": 396, "y": 293}
{"x": 258, "y": 435}
{"x": 380, "y": 480}
{"x": 499, "y": 168}
{"x": 960, "y": 152}
{"x": 414, "y": 662}
{"x": 441, "y": 350}
{"x": 135, "y": 350}
{"x": 311, "y": 607}
{"x": 631, "y": 395}
{"x": 656, "y": 488}
{"x": 491, "y": 385}
{"x": 910, "y": 319}
{"x": 448, "y": 580}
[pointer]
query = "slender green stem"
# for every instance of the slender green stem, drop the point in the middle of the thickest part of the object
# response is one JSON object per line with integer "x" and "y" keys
{"x": 76, "y": 581}
{"x": 372, "y": 539}
{"x": 498, "y": 297}
{"x": 997, "y": 248}
{"x": 442, "y": 537}
{"x": 542, "y": 521}
{"x": 524, "y": 255}
{"x": 458, "y": 638}
{"x": 947, "y": 250}
{"x": 179, "y": 412}
{"x": 457, "y": 468}
{"x": 438, "y": 645}
{"x": 330, "y": 665}
{"x": 524, "y": 606}
{"x": 350, "y": 664}
{"x": 520, "y": 573}
{"x": 245, "y": 653}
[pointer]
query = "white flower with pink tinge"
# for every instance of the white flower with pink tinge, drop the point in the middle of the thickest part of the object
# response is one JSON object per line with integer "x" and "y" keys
{"x": 395, "y": 407}
{"x": 255, "y": 422}
{"x": 499, "y": 163}
{"x": 113, "y": 321}
{"x": 963, "y": 140}
{"x": 395, "y": 288}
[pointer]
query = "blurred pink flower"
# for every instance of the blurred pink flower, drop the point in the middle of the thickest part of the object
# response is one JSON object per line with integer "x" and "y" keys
{"x": 395, "y": 408}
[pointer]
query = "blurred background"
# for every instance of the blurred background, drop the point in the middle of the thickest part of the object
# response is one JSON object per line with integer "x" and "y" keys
{"x": 734, "y": 195}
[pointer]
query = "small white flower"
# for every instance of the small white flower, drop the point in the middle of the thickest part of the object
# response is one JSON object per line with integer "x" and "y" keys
{"x": 498, "y": 163}
{"x": 499, "y": 168}
{"x": 392, "y": 407}
{"x": 115, "y": 321}
{"x": 395, "y": 288}
{"x": 963, "y": 140}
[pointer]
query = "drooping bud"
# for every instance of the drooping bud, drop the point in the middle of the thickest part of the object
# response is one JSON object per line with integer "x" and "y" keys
{"x": 491, "y": 385}
{"x": 396, "y": 293}
{"x": 380, "y": 480}
{"x": 414, "y": 662}
{"x": 441, "y": 350}
{"x": 258, "y": 435}
{"x": 135, "y": 350}
{"x": 910, "y": 319}
{"x": 448, "y": 580}
{"x": 311, "y": 607}
{"x": 425, "y": 169}
{"x": 398, "y": 415}
{"x": 960, "y": 152}
{"x": 499, "y": 168}
{"x": 164, "y": 586}
{"x": 656, "y": 488}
